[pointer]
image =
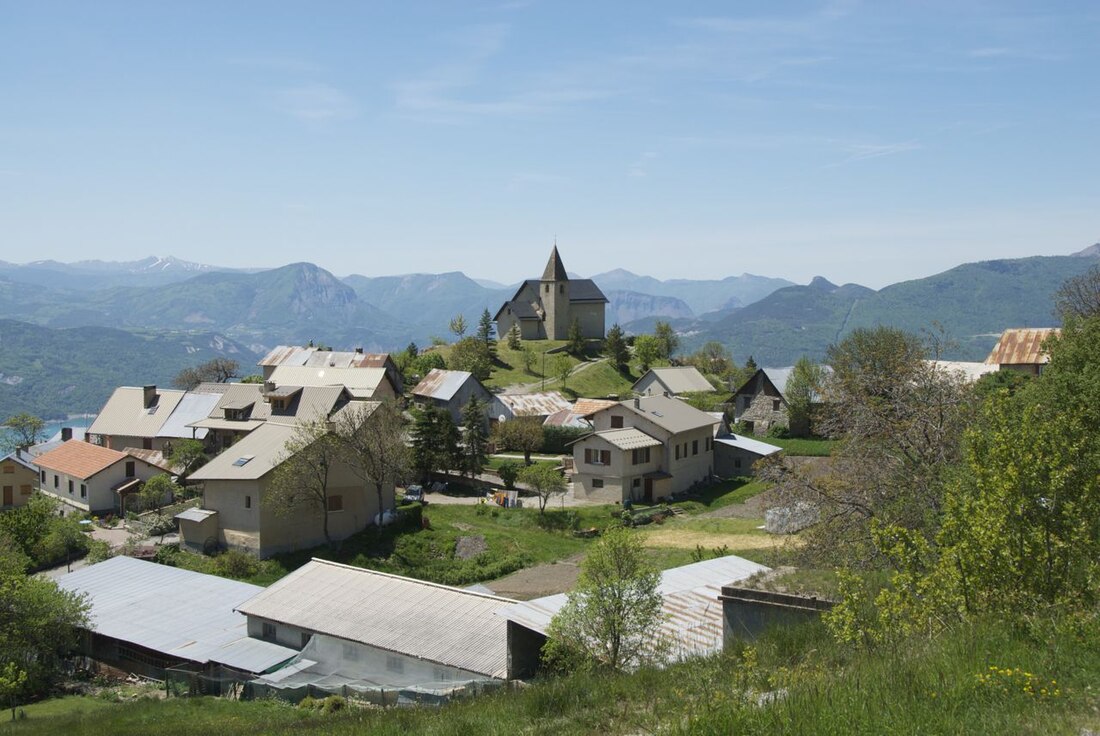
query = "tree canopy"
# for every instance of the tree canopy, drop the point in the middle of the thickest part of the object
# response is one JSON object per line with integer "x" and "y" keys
{"x": 215, "y": 370}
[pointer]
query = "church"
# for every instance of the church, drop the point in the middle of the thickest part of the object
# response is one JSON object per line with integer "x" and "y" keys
{"x": 545, "y": 308}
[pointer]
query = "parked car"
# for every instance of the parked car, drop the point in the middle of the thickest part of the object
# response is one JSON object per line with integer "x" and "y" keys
{"x": 414, "y": 494}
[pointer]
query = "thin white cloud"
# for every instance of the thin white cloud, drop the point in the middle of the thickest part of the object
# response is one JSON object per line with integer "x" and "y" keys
{"x": 316, "y": 102}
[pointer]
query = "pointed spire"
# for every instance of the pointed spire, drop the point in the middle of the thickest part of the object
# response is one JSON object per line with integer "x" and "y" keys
{"x": 555, "y": 269}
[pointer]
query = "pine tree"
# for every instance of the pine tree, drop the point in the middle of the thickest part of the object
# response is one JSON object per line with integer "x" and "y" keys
{"x": 485, "y": 334}
{"x": 514, "y": 337}
{"x": 615, "y": 347}
{"x": 576, "y": 339}
{"x": 475, "y": 437}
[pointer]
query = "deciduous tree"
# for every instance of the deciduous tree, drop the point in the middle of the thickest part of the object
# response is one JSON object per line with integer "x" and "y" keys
{"x": 470, "y": 354}
{"x": 667, "y": 340}
{"x": 215, "y": 370}
{"x": 300, "y": 483}
{"x": 647, "y": 349}
{"x": 522, "y": 434}
{"x": 1079, "y": 297}
{"x": 371, "y": 437}
{"x": 804, "y": 387}
{"x": 26, "y": 429}
{"x": 612, "y": 617}
{"x": 544, "y": 480}
{"x": 458, "y": 326}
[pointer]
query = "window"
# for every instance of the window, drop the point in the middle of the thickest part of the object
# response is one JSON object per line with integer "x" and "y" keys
{"x": 775, "y": 404}
{"x": 56, "y": 481}
{"x": 640, "y": 456}
{"x": 597, "y": 457}
{"x": 147, "y": 443}
{"x": 335, "y": 503}
{"x": 597, "y": 482}
{"x": 268, "y": 631}
{"x": 9, "y": 467}
{"x": 695, "y": 447}
{"x": 636, "y": 483}
{"x": 737, "y": 462}
{"x": 561, "y": 288}
{"x": 70, "y": 488}
{"x": 708, "y": 444}
{"x": 547, "y": 289}
{"x": 248, "y": 502}
{"x": 677, "y": 452}
{"x": 616, "y": 422}
{"x": 43, "y": 480}
{"x": 242, "y": 461}
{"x": 83, "y": 491}
{"x": 25, "y": 489}
{"x": 130, "y": 469}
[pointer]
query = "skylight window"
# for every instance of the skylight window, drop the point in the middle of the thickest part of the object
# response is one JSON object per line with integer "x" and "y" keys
{"x": 243, "y": 460}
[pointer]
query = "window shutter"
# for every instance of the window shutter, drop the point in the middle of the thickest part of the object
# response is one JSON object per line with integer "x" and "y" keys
{"x": 605, "y": 457}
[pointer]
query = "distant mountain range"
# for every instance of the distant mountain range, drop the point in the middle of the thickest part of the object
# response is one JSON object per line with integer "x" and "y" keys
{"x": 182, "y": 311}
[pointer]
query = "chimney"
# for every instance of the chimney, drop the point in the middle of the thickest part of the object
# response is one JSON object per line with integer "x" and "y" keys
{"x": 66, "y": 434}
{"x": 358, "y": 351}
{"x": 666, "y": 394}
{"x": 19, "y": 453}
{"x": 637, "y": 403}
{"x": 269, "y": 386}
{"x": 150, "y": 395}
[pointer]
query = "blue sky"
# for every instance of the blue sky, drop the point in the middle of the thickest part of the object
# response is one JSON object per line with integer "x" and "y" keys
{"x": 868, "y": 142}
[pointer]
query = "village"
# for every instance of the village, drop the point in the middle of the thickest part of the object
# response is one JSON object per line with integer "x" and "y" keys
{"x": 389, "y": 529}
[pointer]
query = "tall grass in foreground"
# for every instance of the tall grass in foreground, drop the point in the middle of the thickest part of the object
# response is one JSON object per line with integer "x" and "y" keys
{"x": 988, "y": 679}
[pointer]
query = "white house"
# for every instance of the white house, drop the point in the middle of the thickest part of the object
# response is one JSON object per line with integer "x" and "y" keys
{"x": 92, "y": 478}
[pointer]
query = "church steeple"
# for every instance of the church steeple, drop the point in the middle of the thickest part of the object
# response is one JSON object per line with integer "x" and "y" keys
{"x": 555, "y": 269}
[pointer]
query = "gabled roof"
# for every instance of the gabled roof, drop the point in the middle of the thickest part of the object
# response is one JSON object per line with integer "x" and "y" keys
{"x": 20, "y": 459}
{"x": 1022, "y": 346}
{"x": 125, "y": 413}
{"x": 588, "y": 407}
{"x": 671, "y": 415}
{"x": 294, "y": 355}
{"x": 757, "y": 384}
{"x": 580, "y": 291}
{"x": 555, "y": 269}
{"x": 174, "y": 611}
{"x": 438, "y": 623}
{"x": 79, "y": 459}
{"x": 679, "y": 379}
{"x": 356, "y": 379}
{"x": 442, "y": 385}
{"x": 251, "y": 457}
{"x": 191, "y": 408}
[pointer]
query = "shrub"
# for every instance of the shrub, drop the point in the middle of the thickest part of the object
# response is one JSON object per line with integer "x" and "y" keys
{"x": 236, "y": 563}
{"x": 508, "y": 473}
{"x": 779, "y": 432}
{"x": 98, "y": 551}
{"x": 556, "y": 439}
{"x": 333, "y": 703}
{"x": 410, "y": 516}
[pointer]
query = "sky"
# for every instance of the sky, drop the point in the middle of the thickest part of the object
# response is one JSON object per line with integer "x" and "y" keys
{"x": 865, "y": 142}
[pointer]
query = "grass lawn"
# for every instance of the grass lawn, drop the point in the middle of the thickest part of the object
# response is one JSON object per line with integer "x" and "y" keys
{"x": 801, "y": 447}
{"x": 598, "y": 381}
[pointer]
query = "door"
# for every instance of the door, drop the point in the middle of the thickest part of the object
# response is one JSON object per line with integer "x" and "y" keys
{"x": 9, "y": 495}
{"x": 649, "y": 490}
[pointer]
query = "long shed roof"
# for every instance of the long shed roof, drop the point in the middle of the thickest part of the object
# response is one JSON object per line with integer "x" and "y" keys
{"x": 1021, "y": 346}
{"x": 177, "y": 612}
{"x": 126, "y": 414}
{"x": 434, "y": 622}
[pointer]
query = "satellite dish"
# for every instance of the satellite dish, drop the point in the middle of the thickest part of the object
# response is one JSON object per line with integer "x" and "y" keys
{"x": 502, "y": 418}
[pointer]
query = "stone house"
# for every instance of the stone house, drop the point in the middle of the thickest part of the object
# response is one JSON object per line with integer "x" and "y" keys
{"x": 643, "y": 449}
{"x": 759, "y": 404}
{"x": 451, "y": 390}
{"x": 546, "y": 308}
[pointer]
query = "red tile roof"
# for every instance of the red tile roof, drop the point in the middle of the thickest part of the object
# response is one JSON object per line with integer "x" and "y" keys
{"x": 79, "y": 459}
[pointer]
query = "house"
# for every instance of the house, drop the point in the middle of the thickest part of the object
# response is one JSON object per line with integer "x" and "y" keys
{"x": 244, "y": 407}
{"x": 18, "y": 476}
{"x": 643, "y": 449}
{"x": 540, "y": 405}
{"x": 1021, "y": 349}
{"x": 673, "y": 381}
{"x": 92, "y": 478}
{"x": 546, "y": 308}
{"x": 759, "y": 404}
{"x": 393, "y": 631}
{"x": 150, "y": 418}
{"x": 234, "y": 514}
{"x": 451, "y": 390}
{"x": 312, "y": 357}
{"x": 145, "y": 618}
{"x": 691, "y": 621}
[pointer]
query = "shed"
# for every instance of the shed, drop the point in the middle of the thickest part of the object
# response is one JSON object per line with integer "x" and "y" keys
{"x": 734, "y": 454}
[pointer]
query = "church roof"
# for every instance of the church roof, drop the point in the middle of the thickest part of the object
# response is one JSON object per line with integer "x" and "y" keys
{"x": 555, "y": 269}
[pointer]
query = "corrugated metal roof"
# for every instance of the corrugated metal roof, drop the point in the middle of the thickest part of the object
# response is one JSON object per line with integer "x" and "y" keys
{"x": 435, "y": 622}
{"x": 174, "y": 611}
{"x": 287, "y": 355}
{"x": 1022, "y": 346}
{"x": 125, "y": 413}
{"x": 241, "y": 396}
{"x": 968, "y": 370}
{"x": 628, "y": 439}
{"x": 195, "y": 514}
{"x": 567, "y": 418}
{"x": 747, "y": 443}
{"x": 679, "y": 379}
{"x": 692, "y": 613}
{"x": 191, "y": 408}
{"x": 441, "y": 384}
{"x": 265, "y": 446}
{"x": 588, "y": 407}
{"x": 530, "y": 405}
{"x": 239, "y": 425}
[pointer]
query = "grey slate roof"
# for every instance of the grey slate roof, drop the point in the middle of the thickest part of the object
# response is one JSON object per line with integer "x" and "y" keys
{"x": 435, "y": 622}
{"x": 177, "y": 612}
{"x": 555, "y": 269}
